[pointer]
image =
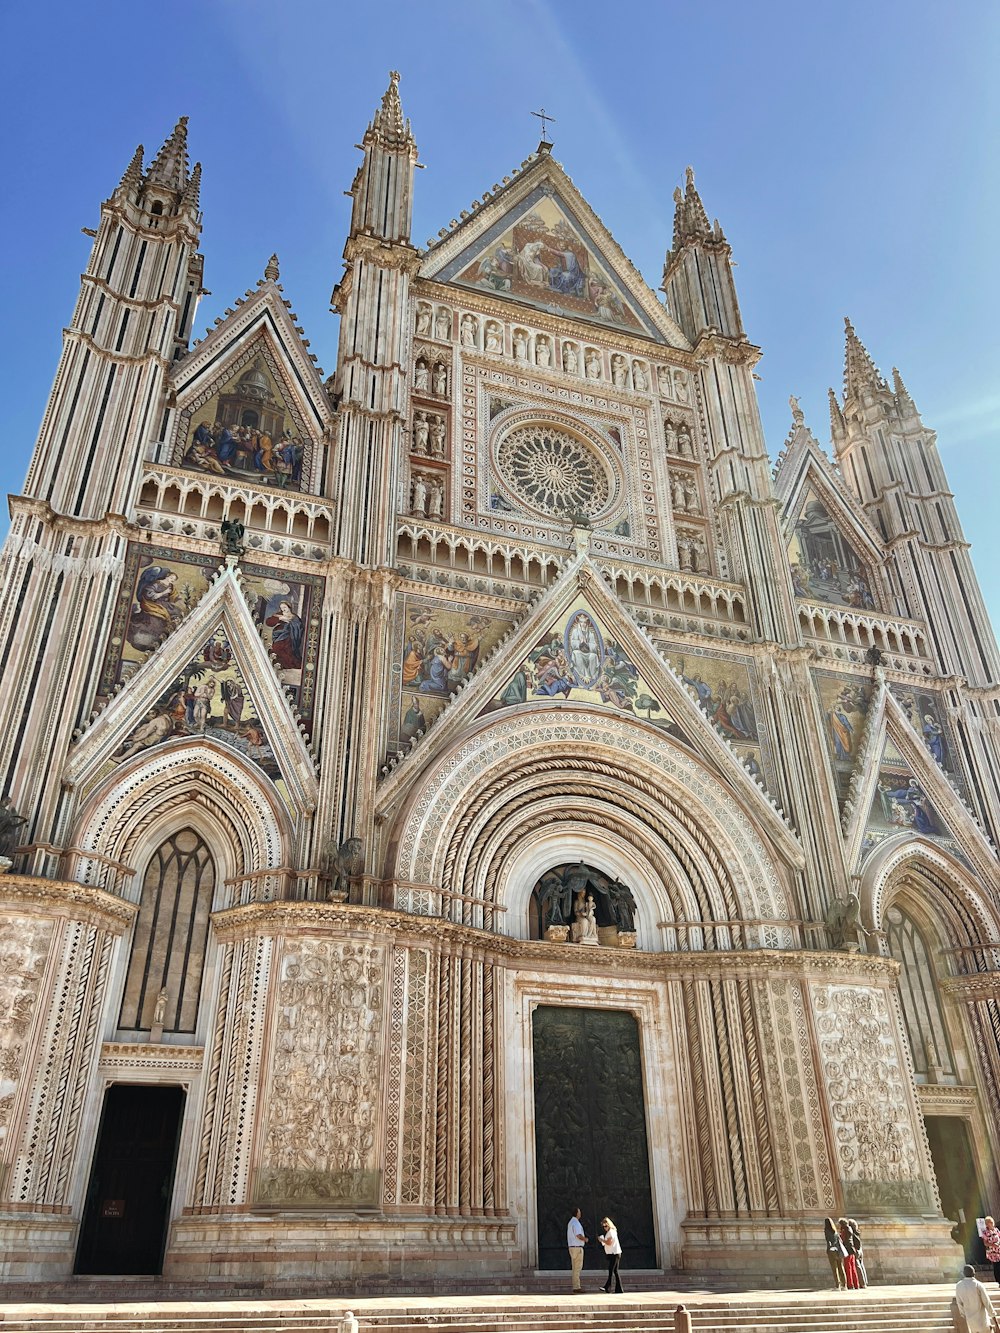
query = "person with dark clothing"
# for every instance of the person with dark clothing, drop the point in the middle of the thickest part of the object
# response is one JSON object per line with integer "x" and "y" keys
{"x": 613, "y": 1250}
{"x": 835, "y": 1252}
{"x": 858, "y": 1252}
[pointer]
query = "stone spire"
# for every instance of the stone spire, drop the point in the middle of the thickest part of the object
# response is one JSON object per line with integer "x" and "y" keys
{"x": 271, "y": 271}
{"x": 170, "y": 167}
{"x": 690, "y": 219}
{"x": 861, "y": 375}
{"x": 132, "y": 177}
{"x": 901, "y": 393}
{"x": 387, "y": 125}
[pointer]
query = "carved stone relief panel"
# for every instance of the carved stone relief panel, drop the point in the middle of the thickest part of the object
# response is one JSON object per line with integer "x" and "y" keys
{"x": 24, "y": 946}
{"x": 880, "y": 1161}
{"x": 407, "y": 1105}
{"x": 327, "y": 1052}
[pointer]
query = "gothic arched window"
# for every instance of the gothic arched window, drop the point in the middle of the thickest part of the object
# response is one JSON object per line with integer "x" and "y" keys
{"x": 171, "y": 935}
{"x": 918, "y": 991}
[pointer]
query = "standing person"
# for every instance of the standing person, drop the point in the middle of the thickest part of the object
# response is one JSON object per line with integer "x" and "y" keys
{"x": 613, "y": 1250}
{"x": 850, "y": 1258}
{"x": 858, "y": 1251}
{"x": 991, "y": 1240}
{"x": 576, "y": 1240}
{"x": 835, "y": 1252}
{"x": 974, "y": 1303}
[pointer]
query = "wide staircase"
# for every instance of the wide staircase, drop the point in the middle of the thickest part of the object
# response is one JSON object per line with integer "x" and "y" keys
{"x": 911, "y": 1309}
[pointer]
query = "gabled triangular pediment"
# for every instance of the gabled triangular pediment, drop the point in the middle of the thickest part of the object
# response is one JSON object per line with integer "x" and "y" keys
{"x": 578, "y": 648}
{"x": 899, "y": 793}
{"x": 251, "y": 405}
{"x": 834, "y": 555}
{"x": 538, "y": 242}
{"x": 213, "y": 679}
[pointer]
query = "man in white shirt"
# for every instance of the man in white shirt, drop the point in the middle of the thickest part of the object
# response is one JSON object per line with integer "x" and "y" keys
{"x": 974, "y": 1302}
{"x": 576, "y": 1240}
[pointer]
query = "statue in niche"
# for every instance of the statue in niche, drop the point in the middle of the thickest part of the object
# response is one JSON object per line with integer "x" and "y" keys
{"x": 639, "y": 378}
{"x": 233, "y": 532}
{"x": 442, "y": 326}
{"x": 435, "y": 500}
{"x": 437, "y": 437}
{"x": 843, "y": 920}
{"x": 680, "y": 386}
{"x": 421, "y": 431}
{"x": 670, "y": 434}
{"x": 439, "y": 380}
{"x": 418, "y": 502}
{"x": 344, "y": 864}
{"x": 160, "y": 1008}
{"x": 685, "y": 554}
{"x": 691, "y": 501}
{"x": 699, "y": 555}
{"x": 584, "y": 927}
{"x": 622, "y": 905}
{"x": 677, "y": 489}
{"x": 494, "y": 338}
{"x": 619, "y": 372}
{"x": 592, "y": 361}
{"x": 663, "y": 381}
{"x": 469, "y": 330}
{"x": 520, "y": 345}
{"x": 423, "y": 320}
{"x": 543, "y": 353}
{"x": 10, "y": 825}
{"x": 555, "y": 900}
{"x": 421, "y": 375}
{"x": 571, "y": 362}
{"x": 684, "y": 443}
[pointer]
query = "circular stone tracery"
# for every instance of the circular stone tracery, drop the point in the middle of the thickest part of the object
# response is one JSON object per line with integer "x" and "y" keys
{"x": 552, "y": 471}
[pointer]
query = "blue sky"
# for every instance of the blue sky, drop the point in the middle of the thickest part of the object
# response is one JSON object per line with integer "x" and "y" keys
{"x": 849, "y": 150}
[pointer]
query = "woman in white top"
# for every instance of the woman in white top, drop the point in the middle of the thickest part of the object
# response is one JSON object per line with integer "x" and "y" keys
{"x": 613, "y": 1250}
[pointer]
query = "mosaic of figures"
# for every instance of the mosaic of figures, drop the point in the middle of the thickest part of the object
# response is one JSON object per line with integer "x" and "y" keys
{"x": 901, "y": 805}
{"x": 926, "y": 715}
{"x": 161, "y": 586}
{"x": 542, "y": 260}
{"x": 577, "y": 659}
{"x": 209, "y": 698}
{"x": 722, "y": 685}
{"x": 442, "y": 643}
{"x": 844, "y": 702}
{"x": 825, "y": 567}
{"x": 246, "y": 431}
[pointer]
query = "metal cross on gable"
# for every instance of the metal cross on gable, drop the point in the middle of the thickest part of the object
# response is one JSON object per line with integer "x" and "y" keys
{"x": 544, "y": 116}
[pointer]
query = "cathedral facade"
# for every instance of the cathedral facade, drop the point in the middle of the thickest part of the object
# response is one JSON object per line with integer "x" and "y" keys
{"x": 476, "y": 784}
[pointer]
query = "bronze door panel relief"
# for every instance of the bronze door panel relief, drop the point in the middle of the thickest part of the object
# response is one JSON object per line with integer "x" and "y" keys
{"x": 590, "y": 1134}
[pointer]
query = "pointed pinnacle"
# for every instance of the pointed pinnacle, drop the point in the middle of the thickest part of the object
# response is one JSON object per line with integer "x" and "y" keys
{"x": 690, "y": 219}
{"x": 860, "y": 371}
{"x": 271, "y": 271}
{"x": 132, "y": 176}
{"x": 838, "y": 427}
{"x": 901, "y": 391}
{"x": 192, "y": 191}
{"x": 169, "y": 167}
{"x": 387, "y": 125}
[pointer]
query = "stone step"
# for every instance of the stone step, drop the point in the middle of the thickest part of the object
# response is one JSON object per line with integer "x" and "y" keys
{"x": 920, "y": 1310}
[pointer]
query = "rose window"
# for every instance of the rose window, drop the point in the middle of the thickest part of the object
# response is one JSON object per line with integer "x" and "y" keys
{"x": 553, "y": 471}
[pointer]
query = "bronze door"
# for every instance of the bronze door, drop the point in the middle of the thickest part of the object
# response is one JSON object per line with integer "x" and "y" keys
{"x": 590, "y": 1134}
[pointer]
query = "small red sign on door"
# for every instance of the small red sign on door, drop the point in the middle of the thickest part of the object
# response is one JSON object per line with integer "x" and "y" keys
{"x": 113, "y": 1208}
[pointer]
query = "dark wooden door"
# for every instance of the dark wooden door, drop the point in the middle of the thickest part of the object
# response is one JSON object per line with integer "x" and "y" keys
{"x": 131, "y": 1181}
{"x": 590, "y": 1134}
{"x": 958, "y": 1180}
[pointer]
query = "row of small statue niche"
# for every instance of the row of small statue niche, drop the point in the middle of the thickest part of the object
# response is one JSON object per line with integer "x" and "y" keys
{"x": 428, "y": 438}
{"x": 428, "y": 379}
{"x": 538, "y": 349}
{"x": 427, "y": 495}
{"x": 684, "y": 493}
